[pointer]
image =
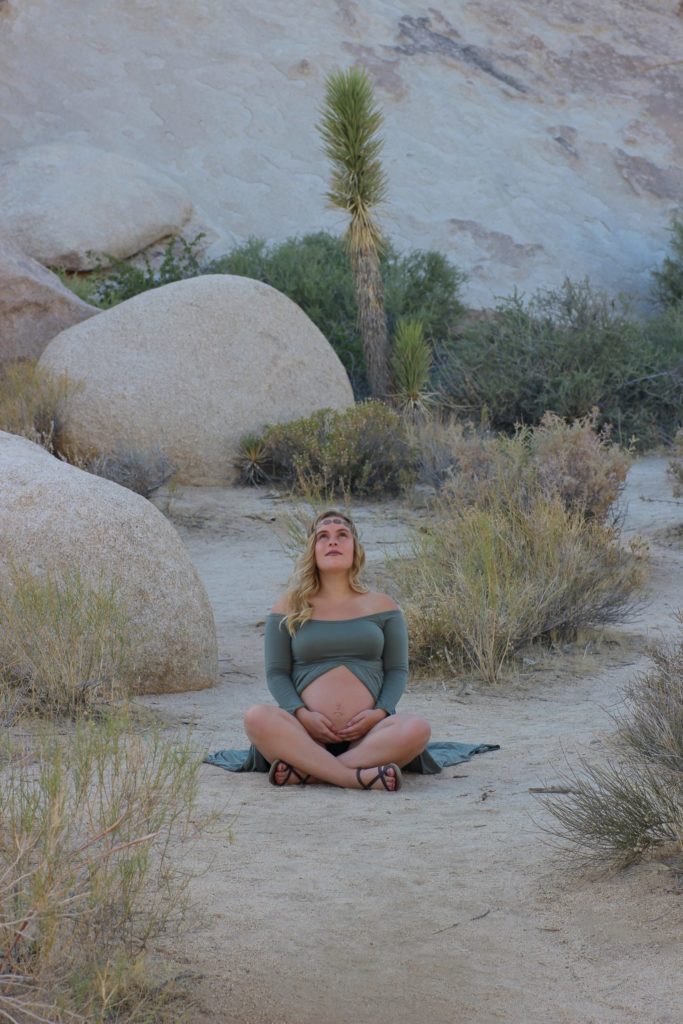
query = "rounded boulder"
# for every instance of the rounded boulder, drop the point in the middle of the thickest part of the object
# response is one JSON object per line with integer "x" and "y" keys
{"x": 67, "y": 204}
{"x": 34, "y": 305}
{"x": 55, "y": 517}
{"x": 190, "y": 368}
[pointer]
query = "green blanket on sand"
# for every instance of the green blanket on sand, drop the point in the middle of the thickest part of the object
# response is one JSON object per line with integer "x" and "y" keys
{"x": 430, "y": 762}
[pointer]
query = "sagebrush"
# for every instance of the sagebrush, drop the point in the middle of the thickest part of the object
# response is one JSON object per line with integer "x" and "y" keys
{"x": 482, "y": 581}
{"x": 362, "y": 451}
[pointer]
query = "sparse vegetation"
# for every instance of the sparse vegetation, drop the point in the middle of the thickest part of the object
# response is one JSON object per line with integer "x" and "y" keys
{"x": 362, "y": 451}
{"x": 32, "y": 402}
{"x": 86, "y": 877}
{"x": 65, "y": 644}
{"x": 633, "y": 804}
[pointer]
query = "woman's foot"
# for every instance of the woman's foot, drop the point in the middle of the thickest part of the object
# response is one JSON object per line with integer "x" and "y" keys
{"x": 385, "y": 776}
{"x": 283, "y": 774}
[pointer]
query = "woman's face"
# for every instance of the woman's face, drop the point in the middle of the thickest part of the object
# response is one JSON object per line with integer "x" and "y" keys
{"x": 334, "y": 545}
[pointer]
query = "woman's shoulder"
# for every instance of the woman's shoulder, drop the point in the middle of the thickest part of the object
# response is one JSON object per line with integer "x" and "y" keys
{"x": 378, "y": 603}
{"x": 280, "y": 606}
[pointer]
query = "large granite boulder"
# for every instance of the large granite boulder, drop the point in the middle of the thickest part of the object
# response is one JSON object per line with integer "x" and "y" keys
{"x": 53, "y": 515}
{"x": 34, "y": 305}
{"x": 190, "y": 368}
{"x": 64, "y": 204}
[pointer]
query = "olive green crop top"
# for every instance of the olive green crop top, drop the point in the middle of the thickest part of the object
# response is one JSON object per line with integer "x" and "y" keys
{"x": 374, "y": 647}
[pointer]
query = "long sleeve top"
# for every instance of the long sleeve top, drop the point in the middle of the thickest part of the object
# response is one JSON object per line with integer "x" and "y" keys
{"x": 373, "y": 647}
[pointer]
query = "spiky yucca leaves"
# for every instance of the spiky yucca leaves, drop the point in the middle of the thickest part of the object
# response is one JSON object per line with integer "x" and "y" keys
{"x": 349, "y": 128}
{"x": 411, "y": 362}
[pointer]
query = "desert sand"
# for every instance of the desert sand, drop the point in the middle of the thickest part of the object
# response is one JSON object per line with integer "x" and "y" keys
{"x": 446, "y": 902}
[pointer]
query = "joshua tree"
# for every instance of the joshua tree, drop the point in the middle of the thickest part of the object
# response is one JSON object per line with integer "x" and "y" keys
{"x": 349, "y": 128}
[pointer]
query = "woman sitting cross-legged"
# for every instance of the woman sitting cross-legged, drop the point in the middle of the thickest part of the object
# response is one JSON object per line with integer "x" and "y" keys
{"x": 337, "y": 664}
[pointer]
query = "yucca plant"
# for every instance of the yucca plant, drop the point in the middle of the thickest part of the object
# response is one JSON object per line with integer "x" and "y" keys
{"x": 411, "y": 362}
{"x": 349, "y": 128}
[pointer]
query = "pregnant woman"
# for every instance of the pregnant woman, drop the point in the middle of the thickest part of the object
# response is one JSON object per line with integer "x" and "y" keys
{"x": 337, "y": 664}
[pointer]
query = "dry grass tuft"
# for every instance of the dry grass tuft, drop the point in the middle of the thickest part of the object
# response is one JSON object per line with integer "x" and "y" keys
{"x": 620, "y": 811}
{"x": 65, "y": 644}
{"x": 32, "y": 401}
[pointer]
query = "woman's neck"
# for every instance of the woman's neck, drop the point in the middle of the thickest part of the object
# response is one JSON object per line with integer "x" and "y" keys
{"x": 334, "y": 589}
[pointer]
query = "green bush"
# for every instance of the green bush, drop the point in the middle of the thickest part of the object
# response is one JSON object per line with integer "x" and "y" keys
{"x": 669, "y": 280}
{"x": 362, "y": 451}
{"x": 568, "y": 351}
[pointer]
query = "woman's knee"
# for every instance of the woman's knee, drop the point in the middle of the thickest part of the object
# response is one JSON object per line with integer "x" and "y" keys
{"x": 419, "y": 730}
{"x": 259, "y": 718}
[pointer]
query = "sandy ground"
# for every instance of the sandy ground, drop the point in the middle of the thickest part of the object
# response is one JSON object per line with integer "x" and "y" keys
{"x": 445, "y": 902}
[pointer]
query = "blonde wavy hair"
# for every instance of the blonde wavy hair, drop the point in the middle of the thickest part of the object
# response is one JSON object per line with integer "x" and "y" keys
{"x": 305, "y": 580}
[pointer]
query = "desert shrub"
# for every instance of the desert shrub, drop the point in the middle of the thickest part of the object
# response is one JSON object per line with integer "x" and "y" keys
{"x": 568, "y": 351}
{"x": 669, "y": 280}
{"x": 362, "y": 451}
{"x": 632, "y": 804}
{"x": 484, "y": 580}
{"x": 575, "y": 462}
{"x": 86, "y": 877}
{"x": 138, "y": 470}
{"x": 65, "y": 644}
{"x": 32, "y": 402}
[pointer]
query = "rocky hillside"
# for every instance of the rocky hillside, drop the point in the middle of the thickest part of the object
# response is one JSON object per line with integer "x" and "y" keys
{"x": 528, "y": 140}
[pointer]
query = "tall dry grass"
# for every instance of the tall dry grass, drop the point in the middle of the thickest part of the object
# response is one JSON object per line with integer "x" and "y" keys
{"x": 87, "y": 880}
{"x": 482, "y": 581}
{"x": 66, "y": 645}
{"x": 32, "y": 402}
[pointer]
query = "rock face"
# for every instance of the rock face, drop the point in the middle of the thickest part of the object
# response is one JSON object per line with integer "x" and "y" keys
{"x": 528, "y": 141}
{"x": 54, "y": 515}
{"x": 191, "y": 368}
{"x": 65, "y": 204}
{"x": 34, "y": 305}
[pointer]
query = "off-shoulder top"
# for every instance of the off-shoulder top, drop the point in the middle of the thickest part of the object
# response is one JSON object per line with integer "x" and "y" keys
{"x": 373, "y": 647}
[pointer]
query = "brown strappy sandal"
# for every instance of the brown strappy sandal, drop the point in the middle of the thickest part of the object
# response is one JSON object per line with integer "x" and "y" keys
{"x": 381, "y": 776}
{"x": 291, "y": 770}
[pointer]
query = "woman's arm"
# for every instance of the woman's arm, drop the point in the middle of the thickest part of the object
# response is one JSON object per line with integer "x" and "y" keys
{"x": 395, "y": 658}
{"x": 278, "y": 656}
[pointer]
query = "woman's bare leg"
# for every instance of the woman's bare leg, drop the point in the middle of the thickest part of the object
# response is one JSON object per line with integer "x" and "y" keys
{"x": 278, "y": 735}
{"x": 398, "y": 738}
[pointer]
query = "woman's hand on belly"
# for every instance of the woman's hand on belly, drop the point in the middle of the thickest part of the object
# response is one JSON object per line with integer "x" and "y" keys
{"x": 361, "y": 723}
{"x": 317, "y": 725}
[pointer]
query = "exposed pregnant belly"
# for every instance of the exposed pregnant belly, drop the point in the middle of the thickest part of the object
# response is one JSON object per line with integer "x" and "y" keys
{"x": 338, "y": 694}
